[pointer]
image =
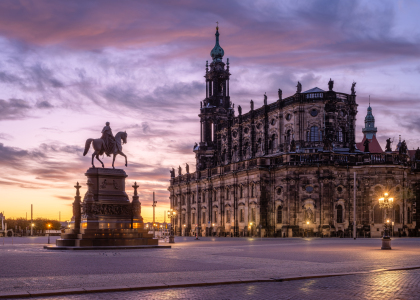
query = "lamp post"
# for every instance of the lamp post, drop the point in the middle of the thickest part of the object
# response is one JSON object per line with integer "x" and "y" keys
{"x": 307, "y": 228}
{"x": 386, "y": 202}
{"x": 49, "y": 226}
{"x": 171, "y": 214}
{"x": 32, "y": 229}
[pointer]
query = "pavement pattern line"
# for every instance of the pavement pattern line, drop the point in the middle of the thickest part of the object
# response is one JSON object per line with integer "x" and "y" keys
{"x": 75, "y": 291}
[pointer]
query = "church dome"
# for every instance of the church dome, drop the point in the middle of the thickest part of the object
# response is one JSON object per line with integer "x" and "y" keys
{"x": 217, "y": 52}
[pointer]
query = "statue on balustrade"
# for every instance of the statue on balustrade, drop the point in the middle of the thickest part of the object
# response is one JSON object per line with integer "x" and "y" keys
{"x": 293, "y": 146}
{"x": 403, "y": 148}
{"x": 388, "y": 145}
{"x": 417, "y": 155}
{"x": 366, "y": 145}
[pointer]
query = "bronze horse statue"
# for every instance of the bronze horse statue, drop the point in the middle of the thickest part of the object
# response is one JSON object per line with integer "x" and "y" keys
{"x": 99, "y": 148}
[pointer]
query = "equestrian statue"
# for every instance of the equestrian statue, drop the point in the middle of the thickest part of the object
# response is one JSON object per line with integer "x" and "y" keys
{"x": 107, "y": 144}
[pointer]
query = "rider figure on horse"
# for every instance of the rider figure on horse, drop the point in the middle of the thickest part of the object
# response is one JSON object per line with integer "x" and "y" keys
{"x": 109, "y": 139}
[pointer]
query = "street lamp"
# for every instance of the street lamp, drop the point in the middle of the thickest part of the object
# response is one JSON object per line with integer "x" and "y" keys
{"x": 386, "y": 202}
{"x": 307, "y": 228}
{"x": 250, "y": 227}
{"x": 49, "y": 226}
{"x": 171, "y": 214}
{"x": 32, "y": 229}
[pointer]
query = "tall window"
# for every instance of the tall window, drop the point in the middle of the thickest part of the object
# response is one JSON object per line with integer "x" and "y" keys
{"x": 253, "y": 214}
{"x": 183, "y": 218}
{"x": 314, "y": 134}
{"x": 241, "y": 192}
{"x": 204, "y": 198}
{"x": 340, "y": 135}
{"x": 279, "y": 215}
{"x": 204, "y": 218}
{"x": 241, "y": 219}
{"x": 193, "y": 199}
{"x": 193, "y": 218}
{"x": 227, "y": 194}
{"x": 228, "y": 216}
{"x": 397, "y": 214}
{"x": 215, "y": 216}
{"x": 252, "y": 191}
{"x": 377, "y": 215}
{"x": 288, "y": 135}
{"x": 408, "y": 215}
{"x": 183, "y": 200}
{"x": 339, "y": 214}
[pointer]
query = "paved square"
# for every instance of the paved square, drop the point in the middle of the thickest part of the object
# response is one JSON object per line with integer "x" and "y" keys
{"x": 26, "y": 266}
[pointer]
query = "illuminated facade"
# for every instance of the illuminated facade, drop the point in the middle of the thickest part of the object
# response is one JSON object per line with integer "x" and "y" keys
{"x": 287, "y": 167}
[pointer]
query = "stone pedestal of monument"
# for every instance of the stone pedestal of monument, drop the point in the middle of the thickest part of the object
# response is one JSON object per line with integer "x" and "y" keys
{"x": 106, "y": 217}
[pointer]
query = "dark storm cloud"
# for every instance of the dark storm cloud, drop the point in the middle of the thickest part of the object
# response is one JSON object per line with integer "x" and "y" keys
{"x": 13, "y": 109}
{"x": 296, "y": 33}
{"x": 165, "y": 98}
{"x": 44, "y": 105}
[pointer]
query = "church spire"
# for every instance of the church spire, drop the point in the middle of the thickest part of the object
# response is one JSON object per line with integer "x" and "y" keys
{"x": 370, "y": 130}
{"x": 217, "y": 52}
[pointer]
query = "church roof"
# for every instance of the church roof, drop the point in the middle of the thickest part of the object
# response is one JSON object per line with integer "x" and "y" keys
{"x": 374, "y": 146}
{"x": 314, "y": 90}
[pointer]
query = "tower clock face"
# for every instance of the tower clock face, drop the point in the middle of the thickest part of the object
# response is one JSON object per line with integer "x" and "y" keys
{"x": 314, "y": 112}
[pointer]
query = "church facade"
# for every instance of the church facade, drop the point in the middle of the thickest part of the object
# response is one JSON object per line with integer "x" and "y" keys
{"x": 288, "y": 168}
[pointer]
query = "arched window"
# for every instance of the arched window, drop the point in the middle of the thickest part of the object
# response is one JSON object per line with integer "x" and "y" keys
{"x": 204, "y": 218}
{"x": 315, "y": 134}
{"x": 279, "y": 215}
{"x": 339, "y": 214}
{"x": 241, "y": 192}
{"x": 228, "y": 216}
{"x": 377, "y": 215}
{"x": 241, "y": 217}
{"x": 227, "y": 194}
{"x": 397, "y": 214}
{"x": 253, "y": 214}
{"x": 252, "y": 191}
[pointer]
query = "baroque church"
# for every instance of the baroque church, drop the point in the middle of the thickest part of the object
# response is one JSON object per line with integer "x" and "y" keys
{"x": 288, "y": 168}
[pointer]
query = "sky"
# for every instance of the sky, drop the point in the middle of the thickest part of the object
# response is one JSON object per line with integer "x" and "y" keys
{"x": 67, "y": 67}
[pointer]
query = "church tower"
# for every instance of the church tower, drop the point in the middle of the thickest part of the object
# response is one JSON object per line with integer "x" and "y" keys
{"x": 215, "y": 108}
{"x": 370, "y": 130}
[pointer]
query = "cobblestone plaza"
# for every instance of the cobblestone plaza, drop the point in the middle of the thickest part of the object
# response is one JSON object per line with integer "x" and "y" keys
{"x": 29, "y": 269}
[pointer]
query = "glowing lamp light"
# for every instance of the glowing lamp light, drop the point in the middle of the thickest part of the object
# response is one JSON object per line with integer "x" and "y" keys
{"x": 307, "y": 222}
{"x": 386, "y": 194}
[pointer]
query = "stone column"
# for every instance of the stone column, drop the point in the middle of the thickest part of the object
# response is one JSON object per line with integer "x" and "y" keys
{"x": 76, "y": 208}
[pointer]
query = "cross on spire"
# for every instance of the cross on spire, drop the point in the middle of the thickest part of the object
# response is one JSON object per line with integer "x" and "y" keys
{"x": 135, "y": 186}
{"x": 217, "y": 27}
{"x": 77, "y": 186}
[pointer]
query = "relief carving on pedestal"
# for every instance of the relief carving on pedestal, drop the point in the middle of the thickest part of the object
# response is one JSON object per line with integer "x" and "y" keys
{"x": 105, "y": 209}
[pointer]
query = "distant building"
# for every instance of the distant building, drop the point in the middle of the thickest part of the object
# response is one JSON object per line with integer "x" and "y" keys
{"x": 285, "y": 168}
